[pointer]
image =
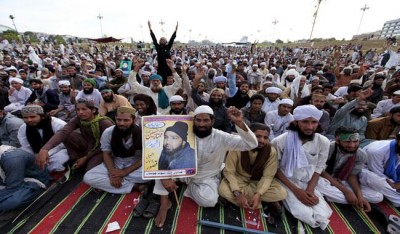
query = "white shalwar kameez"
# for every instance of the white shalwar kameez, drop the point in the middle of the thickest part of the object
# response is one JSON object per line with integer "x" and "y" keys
{"x": 378, "y": 155}
{"x": 98, "y": 177}
{"x": 278, "y": 124}
{"x": 316, "y": 152}
{"x": 211, "y": 151}
{"x": 57, "y": 156}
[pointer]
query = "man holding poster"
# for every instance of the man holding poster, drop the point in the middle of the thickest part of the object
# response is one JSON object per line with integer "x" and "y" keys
{"x": 212, "y": 145}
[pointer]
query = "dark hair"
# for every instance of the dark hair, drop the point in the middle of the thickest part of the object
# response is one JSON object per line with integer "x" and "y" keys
{"x": 354, "y": 88}
{"x": 259, "y": 126}
{"x": 152, "y": 108}
{"x": 395, "y": 109}
{"x": 39, "y": 81}
{"x": 327, "y": 86}
{"x": 257, "y": 97}
{"x": 345, "y": 130}
{"x": 244, "y": 82}
{"x": 317, "y": 87}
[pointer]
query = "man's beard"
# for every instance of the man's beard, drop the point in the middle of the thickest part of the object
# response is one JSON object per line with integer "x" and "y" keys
{"x": 172, "y": 151}
{"x": 125, "y": 132}
{"x": 202, "y": 133}
{"x": 394, "y": 122}
{"x": 67, "y": 92}
{"x": 216, "y": 103}
{"x": 290, "y": 79}
{"x": 305, "y": 137}
{"x": 243, "y": 92}
{"x": 155, "y": 89}
{"x": 177, "y": 111}
{"x": 357, "y": 113}
{"x": 88, "y": 91}
{"x": 346, "y": 151}
{"x": 108, "y": 99}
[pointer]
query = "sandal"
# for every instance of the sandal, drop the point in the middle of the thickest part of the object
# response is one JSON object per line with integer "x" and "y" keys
{"x": 140, "y": 207}
{"x": 152, "y": 209}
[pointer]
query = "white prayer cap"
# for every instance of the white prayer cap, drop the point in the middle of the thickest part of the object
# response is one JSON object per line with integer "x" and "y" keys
{"x": 287, "y": 101}
{"x": 12, "y": 68}
{"x": 203, "y": 110}
{"x": 396, "y": 93}
{"x": 209, "y": 64}
{"x": 269, "y": 76}
{"x": 291, "y": 66}
{"x": 273, "y": 90}
{"x": 348, "y": 68}
{"x": 267, "y": 82}
{"x": 273, "y": 68}
{"x": 147, "y": 64}
{"x": 18, "y": 80}
{"x": 320, "y": 72}
{"x": 119, "y": 69}
{"x": 306, "y": 111}
{"x": 263, "y": 64}
{"x": 254, "y": 65}
{"x": 220, "y": 79}
{"x": 64, "y": 82}
{"x": 292, "y": 72}
{"x": 146, "y": 73}
{"x": 176, "y": 98}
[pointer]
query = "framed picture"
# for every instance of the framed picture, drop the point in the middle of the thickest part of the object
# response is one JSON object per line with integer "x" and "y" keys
{"x": 169, "y": 146}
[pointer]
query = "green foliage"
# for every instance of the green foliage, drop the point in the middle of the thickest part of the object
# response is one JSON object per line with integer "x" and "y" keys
{"x": 10, "y": 35}
{"x": 31, "y": 37}
{"x": 278, "y": 41}
{"x": 59, "y": 39}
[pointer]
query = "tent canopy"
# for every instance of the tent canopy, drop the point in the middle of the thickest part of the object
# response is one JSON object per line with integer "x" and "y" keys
{"x": 105, "y": 39}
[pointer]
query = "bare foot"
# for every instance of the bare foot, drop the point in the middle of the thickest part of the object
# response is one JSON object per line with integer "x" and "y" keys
{"x": 165, "y": 204}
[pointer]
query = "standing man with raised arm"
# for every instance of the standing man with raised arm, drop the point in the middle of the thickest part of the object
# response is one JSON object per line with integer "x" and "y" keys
{"x": 163, "y": 48}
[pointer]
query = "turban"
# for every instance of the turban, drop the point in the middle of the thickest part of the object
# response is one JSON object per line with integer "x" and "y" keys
{"x": 156, "y": 77}
{"x": 307, "y": 111}
{"x": 292, "y": 72}
{"x": 146, "y": 73}
{"x": 180, "y": 128}
{"x": 220, "y": 79}
{"x": 90, "y": 81}
{"x": 32, "y": 109}
{"x": 64, "y": 82}
{"x": 203, "y": 110}
{"x": 286, "y": 101}
{"x": 18, "y": 80}
{"x": 273, "y": 90}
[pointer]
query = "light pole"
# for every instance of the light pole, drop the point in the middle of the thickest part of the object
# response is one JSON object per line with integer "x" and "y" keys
{"x": 12, "y": 19}
{"x": 273, "y": 33}
{"x": 315, "y": 18}
{"x": 162, "y": 27}
{"x": 141, "y": 29}
{"x": 362, "y": 16}
{"x": 100, "y": 17}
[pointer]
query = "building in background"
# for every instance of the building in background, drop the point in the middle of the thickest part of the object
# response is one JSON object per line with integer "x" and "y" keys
{"x": 391, "y": 28}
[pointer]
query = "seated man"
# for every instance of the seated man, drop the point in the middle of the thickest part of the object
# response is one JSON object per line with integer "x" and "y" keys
{"x": 66, "y": 109}
{"x": 9, "y": 126}
{"x": 212, "y": 145}
{"x": 249, "y": 175}
{"x": 279, "y": 120}
{"x": 384, "y": 128}
{"x": 343, "y": 180}
{"x": 17, "y": 95}
{"x": 176, "y": 153}
{"x": 253, "y": 113}
{"x": 121, "y": 145}
{"x": 38, "y": 129}
{"x": 42, "y": 96}
{"x": 382, "y": 160}
{"x": 110, "y": 102}
{"x": 303, "y": 153}
{"x": 20, "y": 179}
{"x": 84, "y": 147}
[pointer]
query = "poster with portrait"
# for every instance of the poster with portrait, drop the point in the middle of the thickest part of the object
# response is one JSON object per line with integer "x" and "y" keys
{"x": 169, "y": 146}
{"x": 125, "y": 66}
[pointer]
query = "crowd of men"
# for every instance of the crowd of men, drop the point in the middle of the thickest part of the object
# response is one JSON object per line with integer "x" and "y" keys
{"x": 291, "y": 126}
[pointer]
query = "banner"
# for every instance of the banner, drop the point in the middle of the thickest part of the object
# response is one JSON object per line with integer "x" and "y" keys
{"x": 169, "y": 146}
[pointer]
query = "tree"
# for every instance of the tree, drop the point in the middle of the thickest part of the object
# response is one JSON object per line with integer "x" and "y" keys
{"x": 31, "y": 37}
{"x": 10, "y": 35}
{"x": 59, "y": 39}
{"x": 278, "y": 41}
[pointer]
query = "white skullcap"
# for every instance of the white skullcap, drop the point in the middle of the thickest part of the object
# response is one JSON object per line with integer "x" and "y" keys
{"x": 203, "y": 110}
{"x": 64, "y": 82}
{"x": 254, "y": 65}
{"x": 348, "y": 68}
{"x": 176, "y": 98}
{"x": 287, "y": 101}
{"x": 307, "y": 111}
{"x": 263, "y": 64}
{"x": 15, "y": 79}
{"x": 291, "y": 72}
{"x": 320, "y": 72}
{"x": 273, "y": 90}
{"x": 220, "y": 79}
{"x": 273, "y": 68}
{"x": 267, "y": 82}
{"x": 11, "y": 68}
{"x": 147, "y": 64}
{"x": 269, "y": 76}
{"x": 146, "y": 73}
{"x": 396, "y": 93}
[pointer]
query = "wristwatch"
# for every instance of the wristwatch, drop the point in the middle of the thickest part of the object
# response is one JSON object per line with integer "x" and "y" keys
{"x": 237, "y": 193}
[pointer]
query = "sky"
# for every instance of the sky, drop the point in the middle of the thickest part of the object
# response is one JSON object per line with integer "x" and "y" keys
{"x": 218, "y": 21}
